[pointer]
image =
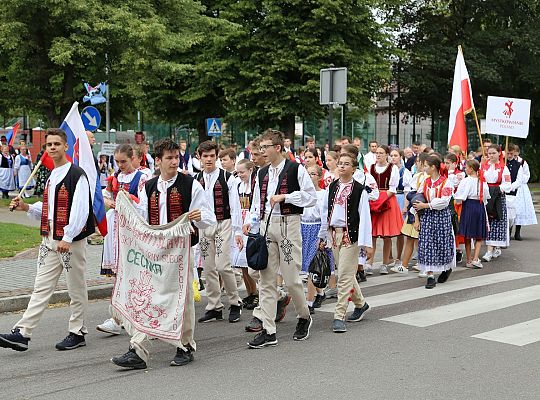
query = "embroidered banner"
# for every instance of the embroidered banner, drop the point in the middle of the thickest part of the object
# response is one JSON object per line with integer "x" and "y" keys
{"x": 153, "y": 271}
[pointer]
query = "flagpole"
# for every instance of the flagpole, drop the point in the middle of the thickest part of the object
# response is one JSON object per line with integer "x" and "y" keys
{"x": 475, "y": 118}
{"x": 27, "y": 182}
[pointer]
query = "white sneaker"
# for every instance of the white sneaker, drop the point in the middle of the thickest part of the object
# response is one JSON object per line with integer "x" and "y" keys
{"x": 488, "y": 256}
{"x": 110, "y": 326}
{"x": 393, "y": 263}
{"x": 383, "y": 270}
{"x": 477, "y": 264}
{"x": 399, "y": 269}
{"x": 422, "y": 274}
{"x": 368, "y": 269}
{"x": 416, "y": 267}
{"x": 497, "y": 252}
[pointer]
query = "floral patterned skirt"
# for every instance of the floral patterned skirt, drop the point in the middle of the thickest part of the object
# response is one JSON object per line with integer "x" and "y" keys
{"x": 436, "y": 243}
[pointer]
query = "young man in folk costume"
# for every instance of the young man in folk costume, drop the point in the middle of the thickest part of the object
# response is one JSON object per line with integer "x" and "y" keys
{"x": 66, "y": 220}
{"x": 284, "y": 187}
{"x": 220, "y": 188}
{"x": 163, "y": 199}
{"x": 346, "y": 223}
{"x": 131, "y": 180}
{"x": 525, "y": 214}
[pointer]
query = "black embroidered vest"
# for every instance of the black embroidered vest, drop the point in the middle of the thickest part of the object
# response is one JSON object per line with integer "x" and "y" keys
{"x": 288, "y": 183}
{"x": 353, "y": 201}
{"x": 178, "y": 201}
{"x": 513, "y": 167}
{"x": 222, "y": 209}
{"x": 63, "y": 200}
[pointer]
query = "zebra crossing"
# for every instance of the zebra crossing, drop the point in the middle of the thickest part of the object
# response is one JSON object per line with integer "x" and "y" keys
{"x": 520, "y": 334}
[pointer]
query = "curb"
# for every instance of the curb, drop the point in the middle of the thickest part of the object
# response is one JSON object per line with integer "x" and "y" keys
{"x": 18, "y": 303}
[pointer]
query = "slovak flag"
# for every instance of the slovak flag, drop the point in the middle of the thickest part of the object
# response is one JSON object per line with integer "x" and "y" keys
{"x": 80, "y": 153}
{"x": 10, "y": 136}
{"x": 462, "y": 104}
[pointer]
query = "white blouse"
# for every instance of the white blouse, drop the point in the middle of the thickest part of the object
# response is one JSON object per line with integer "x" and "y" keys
{"x": 491, "y": 175}
{"x": 394, "y": 176}
{"x": 469, "y": 189}
{"x": 312, "y": 215}
{"x": 437, "y": 197}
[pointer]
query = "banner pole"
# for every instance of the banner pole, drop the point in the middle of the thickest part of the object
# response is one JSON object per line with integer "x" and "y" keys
{"x": 479, "y": 132}
{"x": 27, "y": 182}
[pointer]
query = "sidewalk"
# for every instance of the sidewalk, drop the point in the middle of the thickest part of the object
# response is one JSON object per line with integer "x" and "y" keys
{"x": 17, "y": 276}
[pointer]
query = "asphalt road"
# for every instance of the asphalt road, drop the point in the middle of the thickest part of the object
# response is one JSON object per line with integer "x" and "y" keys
{"x": 429, "y": 354}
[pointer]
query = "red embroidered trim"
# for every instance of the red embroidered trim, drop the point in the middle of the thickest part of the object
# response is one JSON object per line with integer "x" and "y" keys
{"x": 174, "y": 201}
{"x": 45, "y": 212}
{"x": 286, "y": 209}
{"x": 61, "y": 211}
{"x": 153, "y": 202}
{"x": 264, "y": 189}
{"x": 218, "y": 201}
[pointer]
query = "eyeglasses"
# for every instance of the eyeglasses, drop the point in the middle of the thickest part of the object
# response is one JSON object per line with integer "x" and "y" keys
{"x": 265, "y": 146}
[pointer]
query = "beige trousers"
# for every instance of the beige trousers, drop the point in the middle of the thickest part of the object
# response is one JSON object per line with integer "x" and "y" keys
{"x": 346, "y": 259}
{"x": 48, "y": 272}
{"x": 139, "y": 341}
{"x": 215, "y": 245}
{"x": 284, "y": 254}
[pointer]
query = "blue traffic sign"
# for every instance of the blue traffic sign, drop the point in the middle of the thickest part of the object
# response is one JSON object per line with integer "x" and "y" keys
{"x": 91, "y": 118}
{"x": 213, "y": 127}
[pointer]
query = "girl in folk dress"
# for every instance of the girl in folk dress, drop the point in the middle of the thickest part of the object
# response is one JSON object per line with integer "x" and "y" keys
{"x": 473, "y": 193}
{"x": 130, "y": 180}
{"x": 244, "y": 168}
{"x": 405, "y": 177}
{"x": 311, "y": 159}
{"x": 331, "y": 163}
{"x": 7, "y": 179}
{"x": 408, "y": 229}
{"x": 498, "y": 178}
{"x": 310, "y": 226}
{"x": 436, "y": 249}
{"x": 138, "y": 154}
{"x": 455, "y": 174}
{"x": 23, "y": 168}
{"x": 525, "y": 214}
{"x": 387, "y": 220}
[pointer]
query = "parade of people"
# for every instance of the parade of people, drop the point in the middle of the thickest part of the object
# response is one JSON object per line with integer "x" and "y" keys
{"x": 282, "y": 199}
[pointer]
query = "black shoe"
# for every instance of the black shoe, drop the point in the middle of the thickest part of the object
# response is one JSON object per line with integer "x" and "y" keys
{"x": 14, "y": 340}
{"x": 182, "y": 357}
{"x": 255, "y": 325}
{"x": 71, "y": 341}
{"x": 302, "y": 328}
{"x": 517, "y": 235}
{"x": 254, "y": 303}
{"x": 358, "y": 313}
{"x": 263, "y": 339}
{"x": 247, "y": 300}
{"x": 443, "y": 277}
{"x": 234, "y": 314}
{"x": 212, "y": 315}
{"x": 431, "y": 282}
{"x": 311, "y": 310}
{"x": 319, "y": 300}
{"x": 459, "y": 257}
{"x": 282, "y": 308}
{"x": 129, "y": 360}
{"x": 360, "y": 276}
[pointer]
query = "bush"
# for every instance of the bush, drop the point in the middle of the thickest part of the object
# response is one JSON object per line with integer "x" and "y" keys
{"x": 531, "y": 154}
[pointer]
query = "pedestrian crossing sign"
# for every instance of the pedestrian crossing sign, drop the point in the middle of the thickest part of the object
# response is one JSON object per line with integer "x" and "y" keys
{"x": 213, "y": 127}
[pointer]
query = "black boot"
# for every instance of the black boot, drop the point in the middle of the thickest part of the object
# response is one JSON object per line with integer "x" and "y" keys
{"x": 517, "y": 235}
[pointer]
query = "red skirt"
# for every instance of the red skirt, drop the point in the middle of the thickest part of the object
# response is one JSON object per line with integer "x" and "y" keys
{"x": 389, "y": 222}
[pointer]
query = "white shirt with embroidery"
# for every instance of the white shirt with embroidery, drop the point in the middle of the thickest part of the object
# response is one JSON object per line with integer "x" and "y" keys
{"x": 469, "y": 188}
{"x": 78, "y": 214}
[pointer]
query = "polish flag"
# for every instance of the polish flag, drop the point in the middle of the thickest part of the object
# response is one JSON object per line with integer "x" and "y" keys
{"x": 462, "y": 104}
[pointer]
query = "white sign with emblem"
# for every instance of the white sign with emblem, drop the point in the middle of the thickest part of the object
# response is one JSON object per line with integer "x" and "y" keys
{"x": 507, "y": 116}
